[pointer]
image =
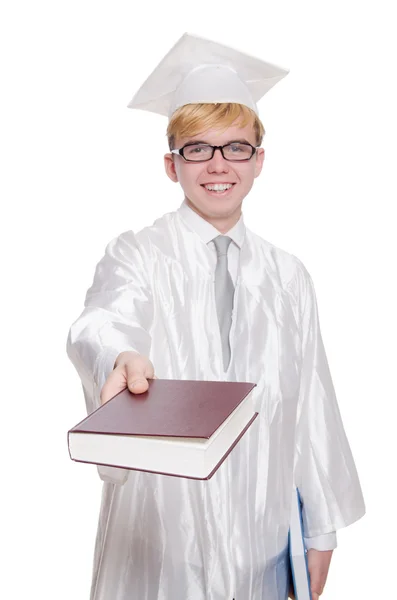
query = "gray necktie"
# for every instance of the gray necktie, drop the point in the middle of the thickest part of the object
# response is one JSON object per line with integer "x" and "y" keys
{"x": 224, "y": 294}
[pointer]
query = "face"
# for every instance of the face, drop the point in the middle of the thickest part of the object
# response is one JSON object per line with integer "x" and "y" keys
{"x": 221, "y": 209}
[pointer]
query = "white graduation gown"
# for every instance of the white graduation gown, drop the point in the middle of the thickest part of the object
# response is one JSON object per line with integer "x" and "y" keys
{"x": 167, "y": 538}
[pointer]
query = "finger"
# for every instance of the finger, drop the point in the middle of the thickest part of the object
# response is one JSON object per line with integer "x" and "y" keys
{"x": 137, "y": 377}
{"x": 315, "y": 596}
{"x": 115, "y": 383}
{"x": 138, "y": 386}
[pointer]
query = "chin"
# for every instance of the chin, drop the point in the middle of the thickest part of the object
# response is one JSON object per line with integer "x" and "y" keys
{"x": 216, "y": 206}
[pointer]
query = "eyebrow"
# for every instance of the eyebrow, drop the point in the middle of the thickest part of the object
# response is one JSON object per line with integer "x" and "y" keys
{"x": 241, "y": 141}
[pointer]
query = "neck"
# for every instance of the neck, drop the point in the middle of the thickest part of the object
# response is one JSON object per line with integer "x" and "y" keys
{"x": 222, "y": 223}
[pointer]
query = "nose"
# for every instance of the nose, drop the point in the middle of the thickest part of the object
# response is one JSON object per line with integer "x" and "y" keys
{"x": 217, "y": 164}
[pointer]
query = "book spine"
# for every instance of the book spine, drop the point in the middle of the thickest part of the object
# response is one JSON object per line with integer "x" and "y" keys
{"x": 299, "y": 500}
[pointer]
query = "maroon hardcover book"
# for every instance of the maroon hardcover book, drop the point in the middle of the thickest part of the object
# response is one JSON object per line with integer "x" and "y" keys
{"x": 177, "y": 427}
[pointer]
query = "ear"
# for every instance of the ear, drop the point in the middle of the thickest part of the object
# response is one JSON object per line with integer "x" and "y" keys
{"x": 169, "y": 165}
{"x": 260, "y": 157}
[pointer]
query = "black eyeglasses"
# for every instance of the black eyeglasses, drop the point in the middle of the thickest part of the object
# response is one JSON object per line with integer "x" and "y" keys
{"x": 199, "y": 152}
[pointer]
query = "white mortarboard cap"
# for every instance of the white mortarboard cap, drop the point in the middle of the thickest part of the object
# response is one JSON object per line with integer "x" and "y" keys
{"x": 197, "y": 70}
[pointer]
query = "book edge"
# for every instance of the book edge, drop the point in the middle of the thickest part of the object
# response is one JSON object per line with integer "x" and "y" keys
{"x": 177, "y": 474}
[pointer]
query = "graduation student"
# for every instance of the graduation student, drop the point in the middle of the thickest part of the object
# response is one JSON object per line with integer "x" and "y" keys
{"x": 199, "y": 296}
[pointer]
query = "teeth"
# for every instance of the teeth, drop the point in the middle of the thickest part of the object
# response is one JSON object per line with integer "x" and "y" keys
{"x": 218, "y": 187}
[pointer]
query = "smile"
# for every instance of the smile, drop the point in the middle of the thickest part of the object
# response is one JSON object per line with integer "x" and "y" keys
{"x": 218, "y": 188}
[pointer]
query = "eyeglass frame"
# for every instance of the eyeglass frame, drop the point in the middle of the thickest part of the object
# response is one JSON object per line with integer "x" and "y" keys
{"x": 179, "y": 151}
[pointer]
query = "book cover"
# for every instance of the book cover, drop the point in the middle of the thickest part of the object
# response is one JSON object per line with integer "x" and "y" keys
{"x": 170, "y": 407}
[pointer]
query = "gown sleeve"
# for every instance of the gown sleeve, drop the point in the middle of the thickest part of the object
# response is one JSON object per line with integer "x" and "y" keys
{"x": 325, "y": 473}
{"x": 117, "y": 315}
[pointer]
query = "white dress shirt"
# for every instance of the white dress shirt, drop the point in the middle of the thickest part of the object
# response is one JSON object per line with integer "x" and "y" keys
{"x": 208, "y": 232}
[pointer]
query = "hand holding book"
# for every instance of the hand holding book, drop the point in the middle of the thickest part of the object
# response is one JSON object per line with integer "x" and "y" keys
{"x": 132, "y": 371}
{"x": 318, "y": 565}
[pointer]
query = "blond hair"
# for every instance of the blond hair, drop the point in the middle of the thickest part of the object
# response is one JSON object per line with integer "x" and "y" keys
{"x": 191, "y": 119}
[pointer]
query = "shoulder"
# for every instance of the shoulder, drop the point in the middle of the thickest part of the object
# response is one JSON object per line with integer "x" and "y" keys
{"x": 130, "y": 243}
{"x": 290, "y": 271}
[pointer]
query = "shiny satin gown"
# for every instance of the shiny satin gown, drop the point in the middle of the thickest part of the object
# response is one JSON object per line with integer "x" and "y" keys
{"x": 167, "y": 538}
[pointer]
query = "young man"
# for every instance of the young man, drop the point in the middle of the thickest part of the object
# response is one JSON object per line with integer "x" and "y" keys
{"x": 199, "y": 296}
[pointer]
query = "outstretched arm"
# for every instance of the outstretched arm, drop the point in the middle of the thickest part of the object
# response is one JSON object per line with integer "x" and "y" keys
{"x": 116, "y": 319}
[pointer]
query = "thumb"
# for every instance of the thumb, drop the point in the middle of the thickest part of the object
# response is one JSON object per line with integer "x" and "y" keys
{"x": 136, "y": 376}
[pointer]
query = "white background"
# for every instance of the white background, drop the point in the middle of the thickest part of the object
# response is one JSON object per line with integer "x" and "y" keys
{"x": 78, "y": 168}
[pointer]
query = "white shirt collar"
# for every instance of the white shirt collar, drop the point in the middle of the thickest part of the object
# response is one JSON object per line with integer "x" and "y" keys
{"x": 208, "y": 232}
